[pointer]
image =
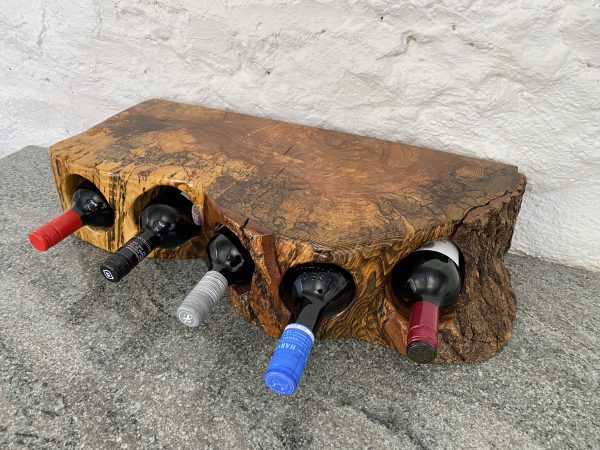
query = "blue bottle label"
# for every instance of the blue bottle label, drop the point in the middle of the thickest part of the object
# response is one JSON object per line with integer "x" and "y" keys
{"x": 289, "y": 359}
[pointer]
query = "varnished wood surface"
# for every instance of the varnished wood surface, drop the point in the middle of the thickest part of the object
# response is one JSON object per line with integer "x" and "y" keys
{"x": 328, "y": 188}
{"x": 296, "y": 194}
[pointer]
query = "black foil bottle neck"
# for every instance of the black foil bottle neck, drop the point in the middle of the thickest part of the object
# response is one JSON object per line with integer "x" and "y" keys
{"x": 161, "y": 226}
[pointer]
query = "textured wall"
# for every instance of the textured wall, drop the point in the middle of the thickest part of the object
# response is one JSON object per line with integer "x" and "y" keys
{"x": 514, "y": 81}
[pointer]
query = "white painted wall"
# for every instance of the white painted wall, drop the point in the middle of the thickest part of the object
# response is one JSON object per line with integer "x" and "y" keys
{"x": 515, "y": 81}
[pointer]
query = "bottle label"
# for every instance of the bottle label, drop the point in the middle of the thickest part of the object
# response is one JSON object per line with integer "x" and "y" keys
{"x": 443, "y": 246}
{"x": 196, "y": 215}
{"x": 289, "y": 359}
{"x": 297, "y": 326}
{"x": 139, "y": 247}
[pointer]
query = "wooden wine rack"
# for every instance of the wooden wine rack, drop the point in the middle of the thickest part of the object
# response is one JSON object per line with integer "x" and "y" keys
{"x": 295, "y": 194}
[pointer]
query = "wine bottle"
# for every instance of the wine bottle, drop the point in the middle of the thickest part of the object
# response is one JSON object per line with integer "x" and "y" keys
{"x": 162, "y": 226}
{"x": 89, "y": 207}
{"x": 427, "y": 280}
{"x": 312, "y": 292}
{"x": 229, "y": 264}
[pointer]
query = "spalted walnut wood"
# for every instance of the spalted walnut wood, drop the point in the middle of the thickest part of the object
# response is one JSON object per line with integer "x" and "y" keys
{"x": 296, "y": 194}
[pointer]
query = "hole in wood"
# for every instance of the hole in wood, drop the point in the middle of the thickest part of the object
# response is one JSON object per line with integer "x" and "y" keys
{"x": 446, "y": 314}
{"x": 73, "y": 182}
{"x": 177, "y": 198}
{"x": 167, "y": 195}
{"x": 313, "y": 273}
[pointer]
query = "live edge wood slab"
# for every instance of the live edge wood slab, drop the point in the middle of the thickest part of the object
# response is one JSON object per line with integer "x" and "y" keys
{"x": 296, "y": 194}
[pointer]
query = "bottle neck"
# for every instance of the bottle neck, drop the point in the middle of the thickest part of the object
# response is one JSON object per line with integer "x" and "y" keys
{"x": 308, "y": 314}
{"x": 89, "y": 207}
{"x": 120, "y": 263}
{"x": 427, "y": 280}
{"x": 161, "y": 226}
{"x": 54, "y": 231}
{"x": 315, "y": 291}
{"x": 422, "y": 336}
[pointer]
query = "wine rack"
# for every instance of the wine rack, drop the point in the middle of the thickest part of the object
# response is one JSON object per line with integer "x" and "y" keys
{"x": 295, "y": 194}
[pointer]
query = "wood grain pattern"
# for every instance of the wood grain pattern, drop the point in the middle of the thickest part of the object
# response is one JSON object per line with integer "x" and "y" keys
{"x": 296, "y": 194}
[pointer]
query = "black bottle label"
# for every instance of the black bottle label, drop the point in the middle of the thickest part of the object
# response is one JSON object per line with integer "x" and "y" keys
{"x": 139, "y": 247}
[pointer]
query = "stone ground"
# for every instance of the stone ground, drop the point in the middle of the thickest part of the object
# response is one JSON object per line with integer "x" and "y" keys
{"x": 87, "y": 363}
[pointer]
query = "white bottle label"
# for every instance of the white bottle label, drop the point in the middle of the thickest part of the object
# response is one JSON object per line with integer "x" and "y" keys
{"x": 196, "y": 214}
{"x": 108, "y": 274}
{"x": 305, "y": 330}
{"x": 443, "y": 246}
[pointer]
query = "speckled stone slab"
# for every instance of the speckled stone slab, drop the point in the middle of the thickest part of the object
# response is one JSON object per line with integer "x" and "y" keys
{"x": 88, "y": 363}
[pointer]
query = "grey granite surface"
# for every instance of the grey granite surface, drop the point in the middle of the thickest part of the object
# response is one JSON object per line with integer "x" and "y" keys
{"x": 88, "y": 363}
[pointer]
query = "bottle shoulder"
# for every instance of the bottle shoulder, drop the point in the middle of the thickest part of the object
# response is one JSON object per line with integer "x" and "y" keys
{"x": 312, "y": 291}
{"x": 94, "y": 210}
{"x": 228, "y": 256}
{"x": 426, "y": 276}
{"x": 169, "y": 223}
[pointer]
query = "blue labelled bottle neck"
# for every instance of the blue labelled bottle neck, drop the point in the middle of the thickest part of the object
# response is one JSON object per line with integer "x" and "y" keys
{"x": 289, "y": 359}
{"x": 291, "y": 355}
{"x": 311, "y": 292}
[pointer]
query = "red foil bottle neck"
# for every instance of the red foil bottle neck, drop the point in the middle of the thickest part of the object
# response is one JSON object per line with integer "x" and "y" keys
{"x": 56, "y": 230}
{"x": 423, "y": 329}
